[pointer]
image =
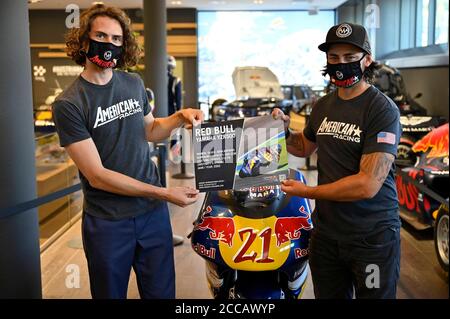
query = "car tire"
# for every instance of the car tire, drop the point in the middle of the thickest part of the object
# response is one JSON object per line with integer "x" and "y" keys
{"x": 405, "y": 155}
{"x": 441, "y": 237}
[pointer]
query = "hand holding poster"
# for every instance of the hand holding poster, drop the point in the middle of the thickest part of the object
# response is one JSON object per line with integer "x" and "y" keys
{"x": 239, "y": 154}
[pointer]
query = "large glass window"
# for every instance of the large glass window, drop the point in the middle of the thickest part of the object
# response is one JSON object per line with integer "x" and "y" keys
{"x": 441, "y": 25}
{"x": 423, "y": 14}
{"x": 284, "y": 41}
{"x": 431, "y": 22}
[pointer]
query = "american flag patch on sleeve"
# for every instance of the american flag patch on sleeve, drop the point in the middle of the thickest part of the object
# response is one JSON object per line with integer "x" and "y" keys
{"x": 386, "y": 137}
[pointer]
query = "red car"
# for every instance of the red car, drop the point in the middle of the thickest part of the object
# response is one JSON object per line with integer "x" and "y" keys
{"x": 423, "y": 189}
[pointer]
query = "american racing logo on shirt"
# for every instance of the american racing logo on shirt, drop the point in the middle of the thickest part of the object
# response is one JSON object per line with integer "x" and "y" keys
{"x": 117, "y": 111}
{"x": 340, "y": 130}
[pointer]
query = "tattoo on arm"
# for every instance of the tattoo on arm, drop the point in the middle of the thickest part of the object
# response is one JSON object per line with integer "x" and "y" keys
{"x": 296, "y": 140}
{"x": 377, "y": 165}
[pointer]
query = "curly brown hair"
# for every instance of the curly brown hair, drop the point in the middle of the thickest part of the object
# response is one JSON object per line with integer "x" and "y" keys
{"x": 371, "y": 72}
{"x": 77, "y": 37}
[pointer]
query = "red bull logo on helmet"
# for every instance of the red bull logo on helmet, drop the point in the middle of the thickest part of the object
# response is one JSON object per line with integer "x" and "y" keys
{"x": 202, "y": 250}
{"x": 261, "y": 191}
{"x": 300, "y": 253}
{"x": 289, "y": 228}
{"x": 220, "y": 228}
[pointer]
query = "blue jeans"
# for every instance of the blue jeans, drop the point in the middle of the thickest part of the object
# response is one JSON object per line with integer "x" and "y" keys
{"x": 144, "y": 242}
{"x": 370, "y": 267}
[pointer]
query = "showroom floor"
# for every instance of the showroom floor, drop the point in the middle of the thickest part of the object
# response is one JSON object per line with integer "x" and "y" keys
{"x": 421, "y": 275}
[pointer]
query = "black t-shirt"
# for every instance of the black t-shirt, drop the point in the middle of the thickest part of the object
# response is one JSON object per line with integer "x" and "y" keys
{"x": 113, "y": 116}
{"x": 344, "y": 130}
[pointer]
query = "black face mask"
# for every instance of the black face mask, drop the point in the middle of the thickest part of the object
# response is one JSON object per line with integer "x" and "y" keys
{"x": 345, "y": 75}
{"x": 103, "y": 54}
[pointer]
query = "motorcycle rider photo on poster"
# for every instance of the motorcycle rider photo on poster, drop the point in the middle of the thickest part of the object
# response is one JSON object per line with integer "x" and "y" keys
{"x": 240, "y": 154}
{"x": 207, "y": 151}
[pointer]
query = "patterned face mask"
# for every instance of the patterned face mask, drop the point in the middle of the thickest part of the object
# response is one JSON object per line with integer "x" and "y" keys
{"x": 345, "y": 75}
{"x": 103, "y": 54}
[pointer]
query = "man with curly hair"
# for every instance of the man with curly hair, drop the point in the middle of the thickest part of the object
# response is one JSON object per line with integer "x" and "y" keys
{"x": 355, "y": 245}
{"x": 104, "y": 122}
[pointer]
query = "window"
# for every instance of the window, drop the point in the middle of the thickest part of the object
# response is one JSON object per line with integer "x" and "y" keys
{"x": 441, "y": 25}
{"x": 423, "y": 14}
{"x": 431, "y": 22}
{"x": 284, "y": 41}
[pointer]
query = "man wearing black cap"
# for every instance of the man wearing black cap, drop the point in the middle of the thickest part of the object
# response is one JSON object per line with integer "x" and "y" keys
{"x": 355, "y": 245}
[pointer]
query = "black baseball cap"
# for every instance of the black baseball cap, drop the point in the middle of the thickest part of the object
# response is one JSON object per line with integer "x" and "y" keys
{"x": 349, "y": 33}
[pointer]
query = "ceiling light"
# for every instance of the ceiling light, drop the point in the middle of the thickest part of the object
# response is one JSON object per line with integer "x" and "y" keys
{"x": 176, "y": 3}
{"x": 258, "y": 1}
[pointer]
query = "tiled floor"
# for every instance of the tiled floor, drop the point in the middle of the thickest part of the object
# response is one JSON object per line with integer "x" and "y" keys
{"x": 421, "y": 276}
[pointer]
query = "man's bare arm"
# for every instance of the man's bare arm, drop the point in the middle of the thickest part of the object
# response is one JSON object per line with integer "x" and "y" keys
{"x": 87, "y": 159}
{"x": 373, "y": 171}
{"x": 298, "y": 145}
{"x": 377, "y": 166}
{"x": 158, "y": 129}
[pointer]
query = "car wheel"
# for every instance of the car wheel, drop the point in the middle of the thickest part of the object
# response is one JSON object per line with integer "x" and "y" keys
{"x": 405, "y": 155}
{"x": 441, "y": 237}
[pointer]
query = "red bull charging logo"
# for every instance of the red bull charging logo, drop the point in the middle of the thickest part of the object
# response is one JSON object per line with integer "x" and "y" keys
{"x": 221, "y": 228}
{"x": 289, "y": 228}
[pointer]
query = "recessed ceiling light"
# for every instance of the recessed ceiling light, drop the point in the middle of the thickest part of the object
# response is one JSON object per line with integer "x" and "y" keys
{"x": 176, "y": 3}
{"x": 258, "y": 1}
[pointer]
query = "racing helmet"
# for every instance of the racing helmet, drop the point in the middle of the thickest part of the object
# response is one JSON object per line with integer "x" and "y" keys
{"x": 255, "y": 202}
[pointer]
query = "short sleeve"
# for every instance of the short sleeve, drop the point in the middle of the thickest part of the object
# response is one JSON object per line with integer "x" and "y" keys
{"x": 70, "y": 124}
{"x": 383, "y": 130}
{"x": 146, "y": 106}
{"x": 308, "y": 131}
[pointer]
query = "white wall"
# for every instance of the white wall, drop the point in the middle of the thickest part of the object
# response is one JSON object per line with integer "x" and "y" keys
{"x": 433, "y": 83}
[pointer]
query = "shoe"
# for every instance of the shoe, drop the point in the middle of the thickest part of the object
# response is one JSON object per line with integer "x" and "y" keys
{"x": 177, "y": 240}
